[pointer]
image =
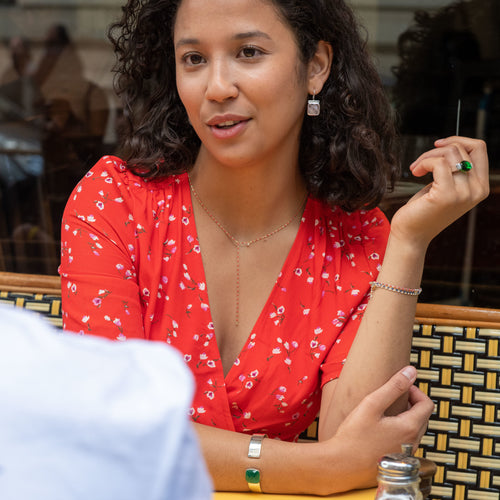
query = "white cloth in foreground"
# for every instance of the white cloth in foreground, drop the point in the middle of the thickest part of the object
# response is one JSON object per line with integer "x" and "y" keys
{"x": 83, "y": 418}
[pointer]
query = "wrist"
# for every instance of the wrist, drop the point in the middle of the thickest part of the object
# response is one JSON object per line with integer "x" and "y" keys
{"x": 411, "y": 247}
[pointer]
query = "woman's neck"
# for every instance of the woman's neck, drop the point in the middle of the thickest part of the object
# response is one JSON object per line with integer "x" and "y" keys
{"x": 249, "y": 201}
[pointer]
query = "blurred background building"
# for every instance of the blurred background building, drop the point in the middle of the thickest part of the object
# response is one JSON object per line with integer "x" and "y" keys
{"x": 58, "y": 115}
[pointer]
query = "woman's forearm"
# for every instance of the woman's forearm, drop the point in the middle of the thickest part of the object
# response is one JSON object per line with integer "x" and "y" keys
{"x": 312, "y": 468}
{"x": 383, "y": 342}
{"x": 343, "y": 462}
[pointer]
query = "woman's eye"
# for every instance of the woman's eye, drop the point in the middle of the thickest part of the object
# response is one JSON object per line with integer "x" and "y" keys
{"x": 193, "y": 59}
{"x": 249, "y": 52}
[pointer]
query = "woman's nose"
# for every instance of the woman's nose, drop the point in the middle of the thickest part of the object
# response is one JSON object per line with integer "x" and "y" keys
{"x": 221, "y": 84}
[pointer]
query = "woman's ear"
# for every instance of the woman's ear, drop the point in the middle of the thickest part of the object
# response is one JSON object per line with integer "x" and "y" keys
{"x": 319, "y": 67}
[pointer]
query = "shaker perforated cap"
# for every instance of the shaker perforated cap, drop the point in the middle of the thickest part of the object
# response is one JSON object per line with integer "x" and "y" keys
{"x": 398, "y": 467}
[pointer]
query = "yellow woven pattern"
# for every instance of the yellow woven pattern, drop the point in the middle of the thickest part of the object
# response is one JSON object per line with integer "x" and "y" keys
{"x": 459, "y": 368}
{"x": 49, "y": 306}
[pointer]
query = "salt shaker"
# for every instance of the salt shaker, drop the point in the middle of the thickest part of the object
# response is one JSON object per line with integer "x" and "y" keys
{"x": 398, "y": 477}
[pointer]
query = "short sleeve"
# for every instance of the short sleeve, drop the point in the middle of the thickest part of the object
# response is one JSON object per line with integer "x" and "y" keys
{"x": 365, "y": 235}
{"x": 99, "y": 287}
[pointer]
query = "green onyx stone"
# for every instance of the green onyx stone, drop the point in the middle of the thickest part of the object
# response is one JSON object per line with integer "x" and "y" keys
{"x": 465, "y": 166}
{"x": 252, "y": 476}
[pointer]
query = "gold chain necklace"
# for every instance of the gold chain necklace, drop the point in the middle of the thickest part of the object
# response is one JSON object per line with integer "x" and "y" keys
{"x": 241, "y": 244}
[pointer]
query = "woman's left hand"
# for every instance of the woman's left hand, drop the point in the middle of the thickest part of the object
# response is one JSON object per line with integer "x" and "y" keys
{"x": 451, "y": 194}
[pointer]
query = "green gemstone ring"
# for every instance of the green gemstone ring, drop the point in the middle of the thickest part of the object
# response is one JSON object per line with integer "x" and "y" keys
{"x": 464, "y": 166}
{"x": 252, "y": 477}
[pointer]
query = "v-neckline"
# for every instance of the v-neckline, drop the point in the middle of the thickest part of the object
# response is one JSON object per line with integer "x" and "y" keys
{"x": 253, "y": 331}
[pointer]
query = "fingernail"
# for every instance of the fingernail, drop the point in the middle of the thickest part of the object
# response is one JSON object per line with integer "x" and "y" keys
{"x": 410, "y": 372}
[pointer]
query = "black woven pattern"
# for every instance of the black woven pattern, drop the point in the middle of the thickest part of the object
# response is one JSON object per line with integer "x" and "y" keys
{"x": 49, "y": 306}
{"x": 459, "y": 368}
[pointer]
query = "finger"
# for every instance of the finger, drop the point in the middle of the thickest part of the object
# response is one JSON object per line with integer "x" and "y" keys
{"x": 450, "y": 155}
{"x": 399, "y": 384}
{"x": 476, "y": 149}
{"x": 418, "y": 398}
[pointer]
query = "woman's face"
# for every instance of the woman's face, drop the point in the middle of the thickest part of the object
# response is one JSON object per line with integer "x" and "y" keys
{"x": 240, "y": 79}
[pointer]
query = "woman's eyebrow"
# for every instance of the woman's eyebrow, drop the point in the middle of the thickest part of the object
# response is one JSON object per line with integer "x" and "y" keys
{"x": 237, "y": 36}
{"x": 251, "y": 34}
{"x": 187, "y": 41}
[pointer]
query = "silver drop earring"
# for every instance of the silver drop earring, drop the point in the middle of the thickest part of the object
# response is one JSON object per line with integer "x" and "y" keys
{"x": 313, "y": 106}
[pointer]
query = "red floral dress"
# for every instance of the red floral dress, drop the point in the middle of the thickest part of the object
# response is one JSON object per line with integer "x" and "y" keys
{"x": 131, "y": 268}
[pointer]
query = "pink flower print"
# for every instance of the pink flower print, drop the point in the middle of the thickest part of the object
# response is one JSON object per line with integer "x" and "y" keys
{"x": 171, "y": 218}
{"x": 298, "y": 271}
{"x": 288, "y": 361}
{"x": 91, "y": 218}
{"x": 247, "y": 415}
{"x": 190, "y": 238}
{"x": 121, "y": 337}
{"x": 242, "y": 378}
{"x": 204, "y": 306}
{"x": 185, "y": 221}
{"x": 278, "y": 315}
{"x": 279, "y": 397}
{"x": 211, "y": 363}
{"x": 145, "y": 292}
{"x": 210, "y": 394}
{"x": 187, "y": 358}
{"x": 97, "y": 301}
{"x": 108, "y": 180}
{"x": 197, "y": 248}
{"x": 201, "y": 286}
{"x": 85, "y": 319}
{"x": 340, "y": 319}
{"x": 254, "y": 374}
{"x": 248, "y": 384}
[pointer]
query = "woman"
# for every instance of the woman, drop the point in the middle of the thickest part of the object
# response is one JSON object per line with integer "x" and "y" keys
{"x": 243, "y": 232}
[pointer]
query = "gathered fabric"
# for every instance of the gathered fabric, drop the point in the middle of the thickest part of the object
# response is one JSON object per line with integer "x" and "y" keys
{"x": 131, "y": 267}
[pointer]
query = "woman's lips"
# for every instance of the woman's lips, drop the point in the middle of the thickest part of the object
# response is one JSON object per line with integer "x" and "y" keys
{"x": 228, "y": 129}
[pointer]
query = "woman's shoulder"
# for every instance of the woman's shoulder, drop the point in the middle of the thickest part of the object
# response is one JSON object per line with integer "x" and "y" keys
{"x": 358, "y": 222}
{"x": 112, "y": 174}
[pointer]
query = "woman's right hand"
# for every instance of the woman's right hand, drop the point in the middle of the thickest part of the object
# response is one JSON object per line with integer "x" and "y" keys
{"x": 367, "y": 433}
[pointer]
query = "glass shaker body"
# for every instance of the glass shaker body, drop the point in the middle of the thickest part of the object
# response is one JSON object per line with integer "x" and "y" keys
{"x": 398, "y": 478}
{"x": 393, "y": 490}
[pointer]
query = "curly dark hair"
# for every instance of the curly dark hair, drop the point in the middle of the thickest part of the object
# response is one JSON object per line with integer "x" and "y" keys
{"x": 348, "y": 155}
